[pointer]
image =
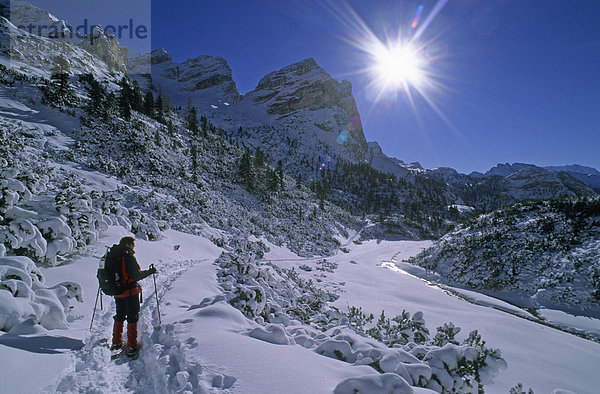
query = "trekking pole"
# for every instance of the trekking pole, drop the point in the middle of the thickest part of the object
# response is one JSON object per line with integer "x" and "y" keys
{"x": 156, "y": 293}
{"x": 95, "y": 304}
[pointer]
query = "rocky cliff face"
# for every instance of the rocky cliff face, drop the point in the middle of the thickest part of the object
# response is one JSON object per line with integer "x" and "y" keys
{"x": 106, "y": 48}
{"x": 301, "y": 85}
{"x": 312, "y": 108}
{"x": 205, "y": 80}
{"x": 539, "y": 183}
{"x": 389, "y": 165}
{"x": 33, "y": 38}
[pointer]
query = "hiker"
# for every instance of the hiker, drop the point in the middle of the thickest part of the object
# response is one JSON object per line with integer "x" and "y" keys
{"x": 128, "y": 302}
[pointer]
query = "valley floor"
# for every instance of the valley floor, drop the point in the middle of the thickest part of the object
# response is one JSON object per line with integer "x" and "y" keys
{"x": 203, "y": 344}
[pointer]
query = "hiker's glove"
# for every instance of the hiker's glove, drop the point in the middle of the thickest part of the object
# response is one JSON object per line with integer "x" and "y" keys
{"x": 152, "y": 269}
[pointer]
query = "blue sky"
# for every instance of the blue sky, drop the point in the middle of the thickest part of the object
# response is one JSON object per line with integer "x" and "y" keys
{"x": 518, "y": 80}
{"x": 521, "y": 78}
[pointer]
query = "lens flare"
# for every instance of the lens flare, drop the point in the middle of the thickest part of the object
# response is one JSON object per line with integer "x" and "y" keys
{"x": 343, "y": 137}
{"x": 415, "y": 21}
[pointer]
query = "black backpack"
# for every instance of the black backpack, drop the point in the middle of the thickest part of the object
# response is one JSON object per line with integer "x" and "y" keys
{"x": 109, "y": 277}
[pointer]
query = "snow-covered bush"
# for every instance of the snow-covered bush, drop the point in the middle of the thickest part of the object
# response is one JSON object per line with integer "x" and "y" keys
{"x": 387, "y": 383}
{"x": 268, "y": 291}
{"x": 24, "y": 296}
{"x": 400, "y": 329}
{"x": 292, "y": 310}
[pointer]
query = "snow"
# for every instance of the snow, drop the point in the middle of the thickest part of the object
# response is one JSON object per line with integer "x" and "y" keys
{"x": 201, "y": 342}
{"x": 207, "y": 343}
{"x": 204, "y": 344}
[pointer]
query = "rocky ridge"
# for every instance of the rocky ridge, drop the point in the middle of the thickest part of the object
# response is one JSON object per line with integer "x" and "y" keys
{"x": 311, "y": 108}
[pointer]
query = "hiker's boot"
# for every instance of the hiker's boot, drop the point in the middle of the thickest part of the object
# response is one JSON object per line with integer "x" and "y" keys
{"x": 117, "y": 339}
{"x": 132, "y": 345}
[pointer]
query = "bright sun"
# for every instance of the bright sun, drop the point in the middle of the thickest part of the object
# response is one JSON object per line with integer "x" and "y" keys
{"x": 398, "y": 66}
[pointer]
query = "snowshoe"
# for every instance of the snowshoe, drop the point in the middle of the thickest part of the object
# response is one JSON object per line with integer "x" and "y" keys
{"x": 132, "y": 353}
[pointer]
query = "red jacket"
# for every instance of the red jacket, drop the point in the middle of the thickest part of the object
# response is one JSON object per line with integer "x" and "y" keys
{"x": 130, "y": 271}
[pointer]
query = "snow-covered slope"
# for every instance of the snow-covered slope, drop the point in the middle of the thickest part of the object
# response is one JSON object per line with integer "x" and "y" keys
{"x": 37, "y": 56}
{"x": 37, "y": 21}
{"x": 587, "y": 175}
{"x": 537, "y": 255}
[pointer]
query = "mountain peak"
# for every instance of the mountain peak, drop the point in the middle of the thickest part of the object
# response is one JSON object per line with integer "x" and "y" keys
{"x": 303, "y": 66}
{"x": 291, "y": 73}
{"x": 160, "y": 55}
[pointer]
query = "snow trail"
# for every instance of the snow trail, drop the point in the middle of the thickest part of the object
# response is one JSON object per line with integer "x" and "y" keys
{"x": 161, "y": 366}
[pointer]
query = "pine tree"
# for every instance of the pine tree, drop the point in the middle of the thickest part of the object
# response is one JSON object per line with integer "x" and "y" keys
{"x": 149, "y": 104}
{"x": 191, "y": 120}
{"x": 322, "y": 189}
{"x": 126, "y": 90}
{"x": 194, "y": 154}
{"x": 204, "y": 122}
{"x": 137, "y": 103}
{"x": 280, "y": 176}
{"x": 58, "y": 92}
{"x": 96, "y": 106}
{"x": 111, "y": 105}
{"x": 246, "y": 171}
{"x": 259, "y": 158}
{"x": 159, "y": 109}
{"x": 124, "y": 107}
{"x": 272, "y": 180}
{"x": 170, "y": 128}
{"x": 157, "y": 137}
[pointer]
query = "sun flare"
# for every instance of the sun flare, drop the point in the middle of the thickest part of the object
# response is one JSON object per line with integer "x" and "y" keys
{"x": 398, "y": 66}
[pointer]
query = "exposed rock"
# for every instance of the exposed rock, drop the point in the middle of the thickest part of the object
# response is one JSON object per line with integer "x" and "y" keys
{"x": 588, "y": 175}
{"x": 389, "y": 165}
{"x": 160, "y": 55}
{"x": 507, "y": 169}
{"x": 538, "y": 183}
{"x": 206, "y": 80}
{"x": 313, "y": 108}
{"x": 107, "y": 48}
{"x": 302, "y": 85}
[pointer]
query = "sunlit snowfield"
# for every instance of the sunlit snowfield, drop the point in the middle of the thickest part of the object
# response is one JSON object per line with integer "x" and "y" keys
{"x": 201, "y": 334}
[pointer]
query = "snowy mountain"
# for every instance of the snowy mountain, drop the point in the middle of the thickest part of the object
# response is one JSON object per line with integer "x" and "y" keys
{"x": 505, "y": 170}
{"x": 259, "y": 276}
{"x": 309, "y": 121}
{"x": 38, "y": 56}
{"x": 37, "y": 21}
{"x": 205, "y": 81}
{"x": 313, "y": 108}
{"x": 389, "y": 165}
{"x": 295, "y": 110}
{"x": 587, "y": 175}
